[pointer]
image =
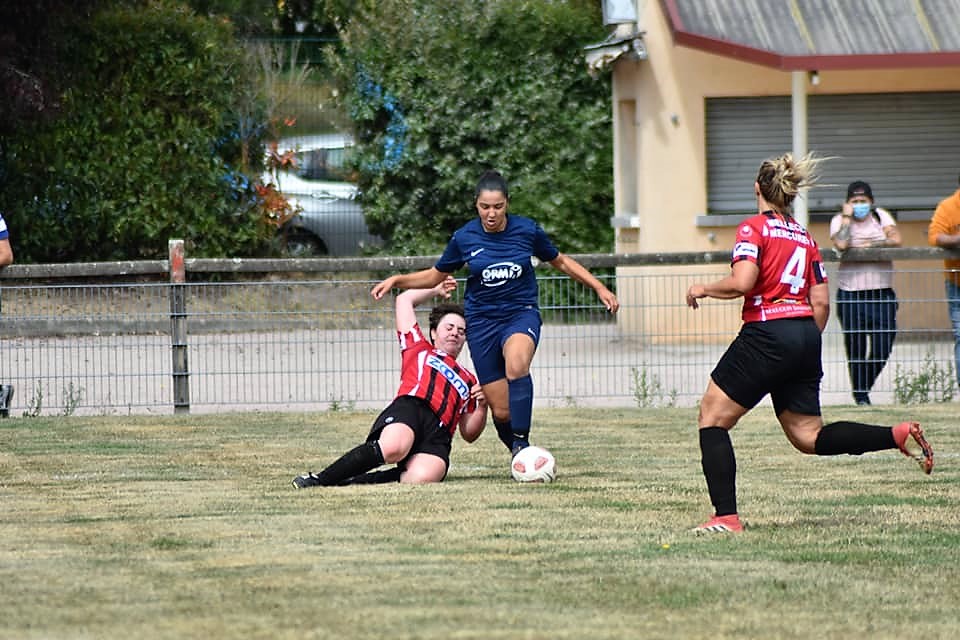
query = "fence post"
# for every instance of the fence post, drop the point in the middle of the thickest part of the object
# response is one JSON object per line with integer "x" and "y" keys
{"x": 178, "y": 328}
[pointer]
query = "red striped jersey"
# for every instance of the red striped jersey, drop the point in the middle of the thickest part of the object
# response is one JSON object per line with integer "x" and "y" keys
{"x": 435, "y": 376}
{"x": 789, "y": 262}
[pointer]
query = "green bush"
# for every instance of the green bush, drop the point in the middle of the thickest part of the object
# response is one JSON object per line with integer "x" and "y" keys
{"x": 438, "y": 95}
{"x": 145, "y": 145}
{"x": 932, "y": 382}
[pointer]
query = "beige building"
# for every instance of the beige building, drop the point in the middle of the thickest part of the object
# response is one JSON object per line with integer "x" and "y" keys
{"x": 704, "y": 90}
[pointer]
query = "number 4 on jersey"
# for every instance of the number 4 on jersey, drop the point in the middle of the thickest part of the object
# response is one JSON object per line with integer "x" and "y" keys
{"x": 793, "y": 272}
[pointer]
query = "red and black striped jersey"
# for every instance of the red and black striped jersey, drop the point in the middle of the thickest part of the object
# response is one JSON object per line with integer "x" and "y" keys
{"x": 789, "y": 262}
{"x": 435, "y": 376}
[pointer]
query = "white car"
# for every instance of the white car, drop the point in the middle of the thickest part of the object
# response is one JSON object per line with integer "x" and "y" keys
{"x": 330, "y": 221}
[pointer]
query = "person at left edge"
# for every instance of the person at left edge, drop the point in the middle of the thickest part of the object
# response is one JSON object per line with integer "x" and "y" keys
{"x": 436, "y": 395}
{"x": 501, "y": 300}
{"x": 6, "y": 257}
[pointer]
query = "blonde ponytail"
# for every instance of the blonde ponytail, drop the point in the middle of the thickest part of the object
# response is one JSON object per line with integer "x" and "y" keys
{"x": 782, "y": 178}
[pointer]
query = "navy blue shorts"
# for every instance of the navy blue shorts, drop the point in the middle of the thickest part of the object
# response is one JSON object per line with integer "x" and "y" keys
{"x": 486, "y": 337}
{"x": 779, "y": 357}
{"x": 429, "y": 436}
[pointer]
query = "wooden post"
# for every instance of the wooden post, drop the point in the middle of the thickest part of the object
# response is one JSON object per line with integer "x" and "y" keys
{"x": 178, "y": 328}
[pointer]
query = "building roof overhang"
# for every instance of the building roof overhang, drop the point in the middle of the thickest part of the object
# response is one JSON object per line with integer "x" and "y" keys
{"x": 807, "y": 35}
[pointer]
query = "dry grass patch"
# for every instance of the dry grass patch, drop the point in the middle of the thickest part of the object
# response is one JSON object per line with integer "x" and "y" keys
{"x": 186, "y": 526}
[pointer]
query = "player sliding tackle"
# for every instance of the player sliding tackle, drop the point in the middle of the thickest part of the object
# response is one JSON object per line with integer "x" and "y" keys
{"x": 436, "y": 396}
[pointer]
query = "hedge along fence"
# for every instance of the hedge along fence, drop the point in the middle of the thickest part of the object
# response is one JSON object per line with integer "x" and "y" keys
{"x": 157, "y": 131}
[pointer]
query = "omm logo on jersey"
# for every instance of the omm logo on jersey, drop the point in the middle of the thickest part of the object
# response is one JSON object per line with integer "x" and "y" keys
{"x": 498, "y": 274}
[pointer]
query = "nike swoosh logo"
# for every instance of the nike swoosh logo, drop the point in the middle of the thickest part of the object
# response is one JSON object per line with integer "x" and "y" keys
{"x": 475, "y": 252}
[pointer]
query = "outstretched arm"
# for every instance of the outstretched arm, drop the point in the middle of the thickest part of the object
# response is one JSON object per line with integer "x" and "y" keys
{"x": 426, "y": 279}
{"x": 578, "y": 272}
{"x": 742, "y": 277}
{"x": 407, "y": 302}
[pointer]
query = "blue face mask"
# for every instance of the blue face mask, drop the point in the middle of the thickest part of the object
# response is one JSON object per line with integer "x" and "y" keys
{"x": 861, "y": 210}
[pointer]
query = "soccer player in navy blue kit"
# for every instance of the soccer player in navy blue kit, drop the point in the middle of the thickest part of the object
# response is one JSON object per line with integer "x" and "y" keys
{"x": 778, "y": 272}
{"x": 501, "y": 300}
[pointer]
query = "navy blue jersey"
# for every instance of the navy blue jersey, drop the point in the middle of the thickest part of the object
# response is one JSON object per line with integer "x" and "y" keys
{"x": 502, "y": 277}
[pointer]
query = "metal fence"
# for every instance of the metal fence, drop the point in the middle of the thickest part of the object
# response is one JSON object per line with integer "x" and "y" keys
{"x": 298, "y": 335}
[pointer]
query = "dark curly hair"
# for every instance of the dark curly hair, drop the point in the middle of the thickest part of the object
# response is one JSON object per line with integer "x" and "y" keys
{"x": 442, "y": 309}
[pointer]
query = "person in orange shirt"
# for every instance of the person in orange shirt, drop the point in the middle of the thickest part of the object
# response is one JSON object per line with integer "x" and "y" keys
{"x": 944, "y": 232}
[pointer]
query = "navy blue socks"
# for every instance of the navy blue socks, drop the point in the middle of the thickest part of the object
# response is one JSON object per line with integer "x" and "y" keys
{"x": 521, "y": 410}
{"x": 504, "y": 431}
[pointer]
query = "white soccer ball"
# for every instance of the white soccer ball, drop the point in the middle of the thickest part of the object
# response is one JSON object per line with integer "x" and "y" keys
{"x": 533, "y": 464}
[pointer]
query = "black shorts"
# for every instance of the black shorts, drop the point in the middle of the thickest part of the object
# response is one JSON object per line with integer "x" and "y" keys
{"x": 429, "y": 435}
{"x": 779, "y": 357}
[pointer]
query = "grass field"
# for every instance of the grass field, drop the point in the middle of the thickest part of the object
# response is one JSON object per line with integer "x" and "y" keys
{"x": 187, "y": 527}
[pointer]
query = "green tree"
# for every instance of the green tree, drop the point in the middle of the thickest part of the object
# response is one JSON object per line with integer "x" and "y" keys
{"x": 440, "y": 91}
{"x": 292, "y": 18}
{"x": 28, "y": 69}
{"x": 249, "y": 17}
{"x": 145, "y": 145}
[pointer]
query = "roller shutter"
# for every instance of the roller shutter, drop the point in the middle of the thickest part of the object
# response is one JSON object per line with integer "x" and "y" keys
{"x": 903, "y": 144}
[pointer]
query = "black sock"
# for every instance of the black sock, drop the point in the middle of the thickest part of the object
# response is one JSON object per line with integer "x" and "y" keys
{"x": 358, "y": 460}
{"x": 719, "y": 468}
{"x": 504, "y": 431}
{"x": 376, "y": 477}
{"x": 853, "y": 438}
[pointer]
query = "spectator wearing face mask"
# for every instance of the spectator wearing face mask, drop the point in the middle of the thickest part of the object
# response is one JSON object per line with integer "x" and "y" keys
{"x": 866, "y": 302}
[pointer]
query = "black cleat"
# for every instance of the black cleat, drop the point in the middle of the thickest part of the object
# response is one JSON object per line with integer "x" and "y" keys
{"x": 307, "y": 480}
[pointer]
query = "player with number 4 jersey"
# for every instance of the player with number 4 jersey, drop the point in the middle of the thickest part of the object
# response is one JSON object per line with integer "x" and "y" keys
{"x": 776, "y": 267}
{"x": 791, "y": 264}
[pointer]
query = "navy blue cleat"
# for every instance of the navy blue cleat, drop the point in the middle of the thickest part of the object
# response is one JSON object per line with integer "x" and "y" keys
{"x": 518, "y": 445}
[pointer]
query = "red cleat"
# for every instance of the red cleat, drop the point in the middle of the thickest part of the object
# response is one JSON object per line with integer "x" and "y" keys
{"x": 721, "y": 524}
{"x": 910, "y": 441}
